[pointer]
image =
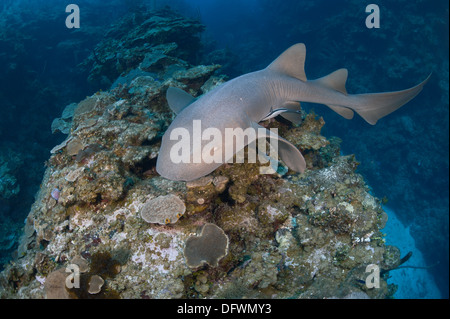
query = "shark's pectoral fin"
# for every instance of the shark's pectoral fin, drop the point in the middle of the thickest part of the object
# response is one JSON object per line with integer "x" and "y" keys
{"x": 178, "y": 99}
{"x": 292, "y": 105}
{"x": 291, "y": 156}
{"x": 288, "y": 153}
{"x": 295, "y": 116}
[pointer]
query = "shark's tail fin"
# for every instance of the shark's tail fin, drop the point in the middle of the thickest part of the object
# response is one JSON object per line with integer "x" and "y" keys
{"x": 373, "y": 106}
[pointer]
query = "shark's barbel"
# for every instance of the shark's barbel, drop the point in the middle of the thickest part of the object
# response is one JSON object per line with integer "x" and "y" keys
{"x": 276, "y": 90}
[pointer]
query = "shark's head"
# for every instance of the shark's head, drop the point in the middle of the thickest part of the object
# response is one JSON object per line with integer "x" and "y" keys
{"x": 195, "y": 144}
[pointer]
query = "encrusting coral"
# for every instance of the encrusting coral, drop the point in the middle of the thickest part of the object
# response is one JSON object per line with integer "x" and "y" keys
{"x": 163, "y": 209}
{"x": 209, "y": 247}
{"x": 263, "y": 236}
{"x": 95, "y": 284}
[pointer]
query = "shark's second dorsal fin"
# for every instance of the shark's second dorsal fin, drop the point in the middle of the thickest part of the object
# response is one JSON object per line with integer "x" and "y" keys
{"x": 291, "y": 62}
{"x": 335, "y": 80}
{"x": 178, "y": 99}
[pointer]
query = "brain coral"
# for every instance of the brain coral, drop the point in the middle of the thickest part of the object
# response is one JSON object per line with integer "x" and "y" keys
{"x": 163, "y": 209}
{"x": 210, "y": 247}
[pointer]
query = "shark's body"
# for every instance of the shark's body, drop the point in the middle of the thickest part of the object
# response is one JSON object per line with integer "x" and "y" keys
{"x": 246, "y": 100}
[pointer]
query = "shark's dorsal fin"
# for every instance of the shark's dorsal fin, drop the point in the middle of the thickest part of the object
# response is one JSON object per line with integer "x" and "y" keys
{"x": 291, "y": 62}
{"x": 335, "y": 80}
{"x": 178, "y": 99}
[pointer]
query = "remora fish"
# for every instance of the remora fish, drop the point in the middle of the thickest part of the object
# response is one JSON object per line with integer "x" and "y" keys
{"x": 250, "y": 98}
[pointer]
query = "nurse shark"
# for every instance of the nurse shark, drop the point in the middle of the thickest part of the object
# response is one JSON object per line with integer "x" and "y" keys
{"x": 241, "y": 103}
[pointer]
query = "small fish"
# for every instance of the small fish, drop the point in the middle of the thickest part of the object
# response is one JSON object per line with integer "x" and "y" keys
{"x": 243, "y": 102}
{"x": 360, "y": 281}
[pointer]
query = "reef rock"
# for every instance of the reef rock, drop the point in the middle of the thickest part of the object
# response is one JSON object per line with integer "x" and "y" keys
{"x": 287, "y": 235}
{"x": 143, "y": 42}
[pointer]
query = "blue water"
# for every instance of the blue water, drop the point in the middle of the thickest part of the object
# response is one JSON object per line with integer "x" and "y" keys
{"x": 414, "y": 280}
{"x": 404, "y": 158}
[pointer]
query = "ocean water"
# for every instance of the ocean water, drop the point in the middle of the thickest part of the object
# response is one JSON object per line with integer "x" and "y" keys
{"x": 415, "y": 280}
{"x": 404, "y": 158}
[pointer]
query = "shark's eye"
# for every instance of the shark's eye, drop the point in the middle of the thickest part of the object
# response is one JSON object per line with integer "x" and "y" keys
{"x": 167, "y": 221}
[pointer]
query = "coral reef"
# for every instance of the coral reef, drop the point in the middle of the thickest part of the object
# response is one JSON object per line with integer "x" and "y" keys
{"x": 150, "y": 46}
{"x": 283, "y": 235}
{"x": 163, "y": 209}
{"x": 209, "y": 247}
{"x": 55, "y": 285}
{"x": 95, "y": 284}
{"x": 38, "y": 59}
{"x": 290, "y": 235}
{"x": 405, "y": 156}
